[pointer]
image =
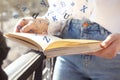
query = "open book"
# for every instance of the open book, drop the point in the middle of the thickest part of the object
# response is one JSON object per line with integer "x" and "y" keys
{"x": 53, "y": 46}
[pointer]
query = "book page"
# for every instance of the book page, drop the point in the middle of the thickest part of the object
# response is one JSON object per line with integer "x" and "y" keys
{"x": 71, "y": 43}
{"x": 72, "y": 50}
{"x": 40, "y": 41}
{"x": 26, "y": 43}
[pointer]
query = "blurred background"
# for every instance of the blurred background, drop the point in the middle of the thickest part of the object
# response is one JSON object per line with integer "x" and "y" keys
{"x": 10, "y": 12}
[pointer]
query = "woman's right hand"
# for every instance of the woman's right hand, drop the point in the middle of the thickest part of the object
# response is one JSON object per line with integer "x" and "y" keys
{"x": 30, "y": 25}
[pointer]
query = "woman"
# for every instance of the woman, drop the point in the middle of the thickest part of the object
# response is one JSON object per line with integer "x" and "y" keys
{"x": 67, "y": 18}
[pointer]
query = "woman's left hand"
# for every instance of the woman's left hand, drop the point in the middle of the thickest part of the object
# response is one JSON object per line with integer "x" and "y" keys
{"x": 111, "y": 45}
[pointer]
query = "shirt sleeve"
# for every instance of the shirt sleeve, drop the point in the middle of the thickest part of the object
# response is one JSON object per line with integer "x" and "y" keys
{"x": 61, "y": 10}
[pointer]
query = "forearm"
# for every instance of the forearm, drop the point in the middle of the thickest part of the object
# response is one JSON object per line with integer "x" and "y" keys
{"x": 54, "y": 27}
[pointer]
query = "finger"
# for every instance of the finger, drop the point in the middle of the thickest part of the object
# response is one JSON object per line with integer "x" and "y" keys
{"x": 28, "y": 27}
{"x": 20, "y": 24}
{"x": 107, "y": 41}
{"x": 38, "y": 26}
{"x": 108, "y": 52}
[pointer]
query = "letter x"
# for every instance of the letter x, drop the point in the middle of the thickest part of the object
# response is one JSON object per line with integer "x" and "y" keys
{"x": 84, "y": 8}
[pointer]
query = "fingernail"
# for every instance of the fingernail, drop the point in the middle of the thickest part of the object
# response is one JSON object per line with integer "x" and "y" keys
{"x": 19, "y": 27}
{"x": 103, "y": 45}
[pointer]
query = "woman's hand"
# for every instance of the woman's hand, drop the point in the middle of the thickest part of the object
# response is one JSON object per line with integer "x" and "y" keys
{"x": 111, "y": 45}
{"x": 30, "y": 25}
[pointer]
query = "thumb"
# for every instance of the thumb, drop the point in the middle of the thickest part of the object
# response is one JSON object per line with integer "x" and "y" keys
{"x": 107, "y": 41}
